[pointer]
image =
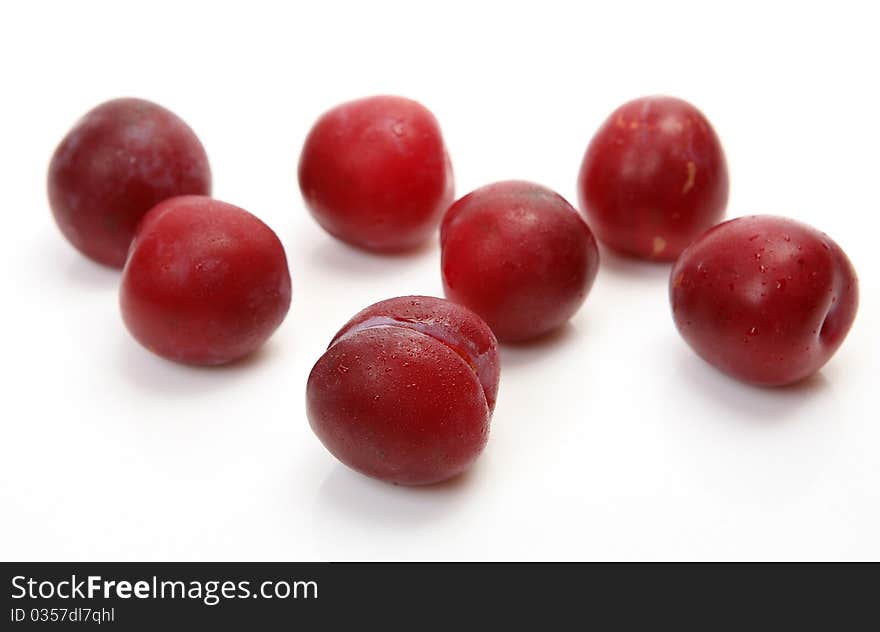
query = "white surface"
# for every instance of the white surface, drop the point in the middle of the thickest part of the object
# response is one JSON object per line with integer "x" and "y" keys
{"x": 610, "y": 440}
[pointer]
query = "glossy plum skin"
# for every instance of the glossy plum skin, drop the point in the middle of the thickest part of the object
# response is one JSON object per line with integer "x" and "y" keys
{"x": 205, "y": 283}
{"x": 406, "y": 389}
{"x": 765, "y": 299}
{"x": 653, "y": 178}
{"x": 375, "y": 173}
{"x": 119, "y": 160}
{"x": 520, "y": 256}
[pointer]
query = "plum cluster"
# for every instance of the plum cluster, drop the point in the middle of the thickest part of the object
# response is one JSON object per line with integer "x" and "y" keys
{"x": 406, "y": 390}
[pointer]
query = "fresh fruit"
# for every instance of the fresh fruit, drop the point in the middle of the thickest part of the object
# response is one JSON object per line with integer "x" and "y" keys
{"x": 406, "y": 389}
{"x": 766, "y": 299}
{"x": 375, "y": 173}
{"x": 206, "y": 282}
{"x": 119, "y": 161}
{"x": 653, "y": 178}
{"x": 518, "y": 255}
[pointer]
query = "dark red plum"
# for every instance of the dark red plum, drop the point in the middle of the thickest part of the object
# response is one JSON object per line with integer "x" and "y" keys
{"x": 206, "y": 282}
{"x": 765, "y": 299}
{"x": 119, "y": 161}
{"x": 375, "y": 173}
{"x": 653, "y": 178}
{"x": 518, "y": 255}
{"x": 406, "y": 389}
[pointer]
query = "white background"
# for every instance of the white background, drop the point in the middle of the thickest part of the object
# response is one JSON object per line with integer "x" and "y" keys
{"x": 611, "y": 440}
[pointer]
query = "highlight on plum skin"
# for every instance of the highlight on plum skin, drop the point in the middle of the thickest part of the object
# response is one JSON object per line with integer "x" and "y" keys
{"x": 520, "y": 256}
{"x": 376, "y": 174}
{"x": 406, "y": 390}
{"x": 765, "y": 299}
{"x": 653, "y": 178}
{"x": 206, "y": 282}
{"x": 119, "y": 160}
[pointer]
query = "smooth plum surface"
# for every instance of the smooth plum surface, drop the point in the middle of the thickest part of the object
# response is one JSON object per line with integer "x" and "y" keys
{"x": 406, "y": 389}
{"x": 205, "y": 283}
{"x": 766, "y": 299}
{"x": 653, "y": 178}
{"x": 375, "y": 173}
{"x": 121, "y": 159}
{"x": 518, "y": 255}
